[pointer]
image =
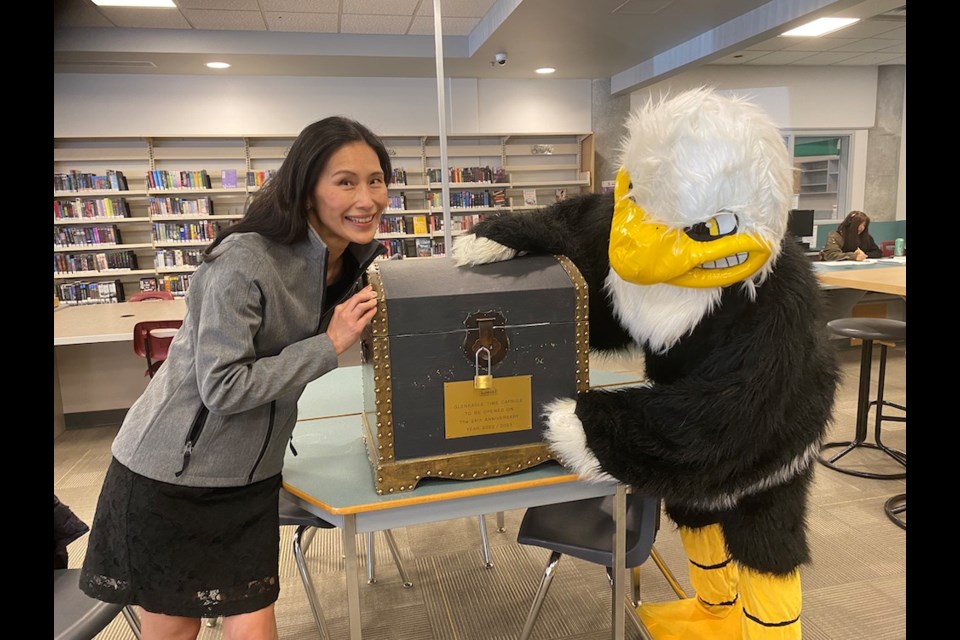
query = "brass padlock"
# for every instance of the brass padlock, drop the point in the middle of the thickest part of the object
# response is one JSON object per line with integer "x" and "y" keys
{"x": 484, "y": 381}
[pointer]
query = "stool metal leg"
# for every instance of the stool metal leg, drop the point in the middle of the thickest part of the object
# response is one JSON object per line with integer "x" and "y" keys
{"x": 863, "y": 409}
{"x": 880, "y": 403}
{"x": 894, "y": 506}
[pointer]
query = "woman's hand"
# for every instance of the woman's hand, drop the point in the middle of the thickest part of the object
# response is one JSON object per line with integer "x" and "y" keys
{"x": 350, "y": 317}
{"x": 859, "y": 255}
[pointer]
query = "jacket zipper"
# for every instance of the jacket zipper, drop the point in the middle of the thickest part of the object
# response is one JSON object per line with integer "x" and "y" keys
{"x": 266, "y": 441}
{"x": 198, "y": 422}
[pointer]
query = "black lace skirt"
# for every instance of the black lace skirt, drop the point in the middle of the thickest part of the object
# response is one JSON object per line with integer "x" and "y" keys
{"x": 184, "y": 551}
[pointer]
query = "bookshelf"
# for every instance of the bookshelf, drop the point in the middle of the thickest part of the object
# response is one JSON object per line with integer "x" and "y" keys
{"x": 173, "y": 195}
{"x": 819, "y": 178}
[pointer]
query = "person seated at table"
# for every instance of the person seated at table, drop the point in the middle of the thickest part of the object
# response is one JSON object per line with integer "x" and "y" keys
{"x": 851, "y": 240}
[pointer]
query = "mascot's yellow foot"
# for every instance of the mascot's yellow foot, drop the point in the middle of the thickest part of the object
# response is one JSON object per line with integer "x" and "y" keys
{"x": 689, "y": 620}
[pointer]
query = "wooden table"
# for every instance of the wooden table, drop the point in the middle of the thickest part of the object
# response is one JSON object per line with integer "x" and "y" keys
{"x": 881, "y": 279}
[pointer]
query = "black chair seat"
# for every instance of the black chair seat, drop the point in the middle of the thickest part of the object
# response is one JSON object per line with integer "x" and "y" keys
{"x": 585, "y": 529}
{"x": 77, "y": 616}
{"x": 869, "y": 328}
{"x": 294, "y": 515}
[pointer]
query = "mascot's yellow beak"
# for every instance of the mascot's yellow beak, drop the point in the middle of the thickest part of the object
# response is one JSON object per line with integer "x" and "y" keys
{"x": 711, "y": 254}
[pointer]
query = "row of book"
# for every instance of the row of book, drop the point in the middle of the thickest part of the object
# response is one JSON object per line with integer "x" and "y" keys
{"x": 201, "y": 230}
{"x": 80, "y": 208}
{"x": 82, "y": 181}
{"x": 81, "y": 292}
{"x": 64, "y": 263}
{"x": 422, "y": 224}
{"x": 162, "y": 179}
{"x": 171, "y": 206}
{"x": 98, "y": 234}
{"x": 178, "y": 258}
{"x": 177, "y": 284}
{"x": 470, "y": 174}
{"x": 412, "y": 248}
{"x": 259, "y": 178}
{"x": 466, "y": 199}
{"x": 398, "y": 176}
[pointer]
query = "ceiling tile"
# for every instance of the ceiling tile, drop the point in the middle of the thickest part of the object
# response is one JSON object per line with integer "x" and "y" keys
{"x": 230, "y": 20}
{"x": 457, "y": 8}
{"x": 423, "y": 26}
{"x": 740, "y": 57}
{"x": 301, "y": 6}
{"x": 826, "y": 58}
{"x": 876, "y": 58}
{"x": 781, "y": 57}
{"x": 384, "y": 25}
{"x": 816, "y": 44}
{"x": 864, "y": 46}
{"x": 308, "y": 22}
{"x": 382, "y": 7}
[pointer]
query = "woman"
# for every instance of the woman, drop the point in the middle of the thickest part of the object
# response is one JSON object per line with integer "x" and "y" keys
{"x": 851, "y": 240}
{"x": 187, "y": 524}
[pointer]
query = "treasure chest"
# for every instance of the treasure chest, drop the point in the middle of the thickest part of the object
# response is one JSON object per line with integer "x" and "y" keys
{"x": 459, "y": 361}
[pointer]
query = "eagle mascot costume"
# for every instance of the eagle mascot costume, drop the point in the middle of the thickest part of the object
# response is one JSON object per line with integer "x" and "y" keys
{"x": 687, "y": 261}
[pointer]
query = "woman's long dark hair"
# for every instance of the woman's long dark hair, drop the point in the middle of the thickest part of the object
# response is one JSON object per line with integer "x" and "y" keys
{"x": 278, "y": 211}
{"x": 848, "y": 230}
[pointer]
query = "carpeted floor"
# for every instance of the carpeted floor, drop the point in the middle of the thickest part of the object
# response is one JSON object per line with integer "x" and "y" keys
{"x": 854, "y": 589}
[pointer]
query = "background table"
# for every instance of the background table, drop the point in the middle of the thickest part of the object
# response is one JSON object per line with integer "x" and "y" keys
{"x": 94, "y": 366}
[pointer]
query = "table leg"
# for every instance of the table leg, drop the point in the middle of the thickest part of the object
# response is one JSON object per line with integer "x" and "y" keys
{"x": 349, "y": 533}
{"x": 619, "y": 560}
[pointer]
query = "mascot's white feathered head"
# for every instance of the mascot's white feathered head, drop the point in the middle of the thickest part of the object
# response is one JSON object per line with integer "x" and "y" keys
{"x": 703, "y": 193}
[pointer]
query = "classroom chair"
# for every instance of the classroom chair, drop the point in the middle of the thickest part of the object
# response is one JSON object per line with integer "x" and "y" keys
{"x": 151, "y": 340}
{"x": 585, "y": 529}
{"x": 869, "y": 330}
{"x": 307, "y": 523}
{"x": 77, "y": 616}
{"x": 140, "y": 296}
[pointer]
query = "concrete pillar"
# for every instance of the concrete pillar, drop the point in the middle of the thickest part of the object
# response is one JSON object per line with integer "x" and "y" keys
{"x": 883, "y": 144}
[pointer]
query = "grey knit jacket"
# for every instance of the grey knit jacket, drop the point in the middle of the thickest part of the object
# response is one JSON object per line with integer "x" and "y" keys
{"x": 222, "y": 408}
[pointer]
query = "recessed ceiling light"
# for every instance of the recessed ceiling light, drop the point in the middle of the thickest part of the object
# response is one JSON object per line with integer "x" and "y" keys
{"x": 545, "y": 70}
{"x": 821, "y": 26}
{"x": 218, "y": 65}
{"x": 162, "y": 4}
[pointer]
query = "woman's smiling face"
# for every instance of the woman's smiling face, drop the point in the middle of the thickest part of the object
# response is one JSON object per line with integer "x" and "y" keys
{"x": 349, "y": 196}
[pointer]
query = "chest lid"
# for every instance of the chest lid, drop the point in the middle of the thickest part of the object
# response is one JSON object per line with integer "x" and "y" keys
{"x": 434, "y": 295}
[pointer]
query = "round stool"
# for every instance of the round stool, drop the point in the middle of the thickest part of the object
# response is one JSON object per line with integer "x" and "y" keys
{"x": 869, "y": 330}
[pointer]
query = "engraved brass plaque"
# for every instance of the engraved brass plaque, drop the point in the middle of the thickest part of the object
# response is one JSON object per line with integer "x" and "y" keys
{"x": 505, "y": 407}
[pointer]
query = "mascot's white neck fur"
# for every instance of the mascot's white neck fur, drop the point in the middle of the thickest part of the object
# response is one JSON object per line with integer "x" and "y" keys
{"x": 660, "y": 315}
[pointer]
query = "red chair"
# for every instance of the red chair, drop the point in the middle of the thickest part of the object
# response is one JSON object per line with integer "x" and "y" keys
{"x": 151, "y": 340}
{"x": 151, "y": 295}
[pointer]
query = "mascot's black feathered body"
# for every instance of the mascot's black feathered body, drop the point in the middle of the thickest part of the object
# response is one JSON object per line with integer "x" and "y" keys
{"x": 687, "y": 260}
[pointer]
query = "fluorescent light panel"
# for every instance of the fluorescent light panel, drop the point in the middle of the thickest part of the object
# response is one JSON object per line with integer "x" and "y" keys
{"x": 218, "y": 65}
{"x": 545, "y": 70}
{"x": 821, "y": 26}
{"x": 162, "y": 4}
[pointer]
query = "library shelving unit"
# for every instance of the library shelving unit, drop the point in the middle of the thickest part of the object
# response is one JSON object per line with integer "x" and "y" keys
{"x": 488, "y": 174}
{"x": 161, "y": 200}
{"x": 819, "y": 178}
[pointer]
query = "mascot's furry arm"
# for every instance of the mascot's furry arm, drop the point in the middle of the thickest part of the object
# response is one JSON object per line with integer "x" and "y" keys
{"x": 578, "y": 228}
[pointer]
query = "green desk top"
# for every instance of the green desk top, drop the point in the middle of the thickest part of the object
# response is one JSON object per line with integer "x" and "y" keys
{"x": 331, "y": 469}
